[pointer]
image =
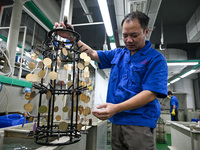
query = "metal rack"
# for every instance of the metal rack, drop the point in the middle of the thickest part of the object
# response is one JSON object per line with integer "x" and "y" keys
{"x": 161, "y": 132}
{"x": 45, "y": 134}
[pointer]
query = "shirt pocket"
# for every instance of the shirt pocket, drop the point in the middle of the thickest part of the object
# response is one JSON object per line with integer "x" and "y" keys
{"x": 137, "y": 74}
{"x": 114, "y": 71}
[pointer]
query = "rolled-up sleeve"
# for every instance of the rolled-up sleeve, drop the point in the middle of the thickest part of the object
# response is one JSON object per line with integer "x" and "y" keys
{"x": 105, "y": 58}
{"x": 156, "y": 77}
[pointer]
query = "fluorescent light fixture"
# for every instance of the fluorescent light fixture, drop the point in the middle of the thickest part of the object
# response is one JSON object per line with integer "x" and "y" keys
{"x": 175, "y": 80}
{"x": 112, "y": 45}
{"x": 85, "y": 8}
{"x": 188, "y": 73}
{"x": 168, "y": 84}
{"x": 182, "y": 63}
{"x": 87, "y": 24}
{"x": 1, "y": 39}
{"x": 106, "y": 16}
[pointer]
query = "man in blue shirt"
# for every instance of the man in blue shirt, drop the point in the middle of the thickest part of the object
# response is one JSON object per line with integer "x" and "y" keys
{"x": 138, "y": 75}
{"x": 173, "y": 106}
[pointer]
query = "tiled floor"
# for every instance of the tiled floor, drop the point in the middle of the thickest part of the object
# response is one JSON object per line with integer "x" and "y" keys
{"x": 164, "y": 146}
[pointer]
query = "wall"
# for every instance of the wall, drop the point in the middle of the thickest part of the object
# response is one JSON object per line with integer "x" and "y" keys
{"x": 12, "y": 99}
{"x": 185, "y": 85}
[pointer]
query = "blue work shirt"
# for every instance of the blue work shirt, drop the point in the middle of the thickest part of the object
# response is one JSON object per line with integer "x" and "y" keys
{"x": 174, "y": 101}
{"x": 144, "y": 70}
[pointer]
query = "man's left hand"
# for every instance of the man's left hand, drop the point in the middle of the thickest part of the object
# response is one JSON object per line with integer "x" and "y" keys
{"x": 109, "y": 111}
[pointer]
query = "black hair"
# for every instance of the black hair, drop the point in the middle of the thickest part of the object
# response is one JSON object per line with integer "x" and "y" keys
{"x": 142, "y": 18}
{"x": 170, "y": 93}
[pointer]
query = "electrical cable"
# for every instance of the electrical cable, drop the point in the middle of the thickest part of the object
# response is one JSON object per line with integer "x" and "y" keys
{"x": 2, "y": 99}
{"x": 11, "y": 70}
{"x": 8, "y": 98}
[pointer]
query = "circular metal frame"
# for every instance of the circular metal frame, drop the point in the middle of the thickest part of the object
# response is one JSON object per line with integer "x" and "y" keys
{"x": 53, "y": 33}
{"x": 42, "y": 134}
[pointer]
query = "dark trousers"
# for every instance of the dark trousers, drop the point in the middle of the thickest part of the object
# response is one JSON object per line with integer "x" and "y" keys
{"x": 130, "y": 137}
{"x": 175, "y": 118}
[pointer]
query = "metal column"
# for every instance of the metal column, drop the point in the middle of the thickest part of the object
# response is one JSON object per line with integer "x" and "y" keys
{"x": 14, "y": 30}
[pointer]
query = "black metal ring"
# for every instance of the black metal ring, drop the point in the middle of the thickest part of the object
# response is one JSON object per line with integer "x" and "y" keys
{"x": 75, "y": 34}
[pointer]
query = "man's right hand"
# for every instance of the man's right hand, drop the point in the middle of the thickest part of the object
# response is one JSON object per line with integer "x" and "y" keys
{"x": 69, "y": 35}
{"x": 63, "y": 34}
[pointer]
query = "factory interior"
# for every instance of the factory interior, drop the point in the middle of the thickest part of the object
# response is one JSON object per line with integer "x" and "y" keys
{"x": 49, "y": 89}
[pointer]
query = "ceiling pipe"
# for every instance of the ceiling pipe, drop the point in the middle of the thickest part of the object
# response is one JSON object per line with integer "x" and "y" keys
{"x": 152, "y": 13}
{"x": 39, "y": 21}
{"x": 62, "y": 11}
{"x": 32, "y": 42}
{"x": 67, "y": 10}
{"x": 86, "y": 10}
{"x": 161, "y": 46}
{"x": 39, "y": 14}
{"x": 105, "y": 46}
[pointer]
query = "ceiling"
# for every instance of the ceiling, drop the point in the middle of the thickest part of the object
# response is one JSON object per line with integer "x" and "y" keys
{"x": 174, "y": 15}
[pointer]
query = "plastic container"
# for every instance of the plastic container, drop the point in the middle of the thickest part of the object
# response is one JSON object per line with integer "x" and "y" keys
{"x": 194, "y": 120}
{"x": 11, "y": 120}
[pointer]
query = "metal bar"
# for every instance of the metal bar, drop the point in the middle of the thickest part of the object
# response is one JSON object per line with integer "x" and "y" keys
{"x": 72, "y": 99}
{"x": 22, "y": 53}
{"x": 40, "y": 102}
{"x": 49, "y": 111}
{"x": 2, "y": 10}
{"x": 33, "y": 35}
{"x": 54, "y": 86}
{"x": 77, "y": 97}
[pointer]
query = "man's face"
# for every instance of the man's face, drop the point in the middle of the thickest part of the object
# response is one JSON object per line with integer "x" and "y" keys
{"x": 133, "y": 35}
